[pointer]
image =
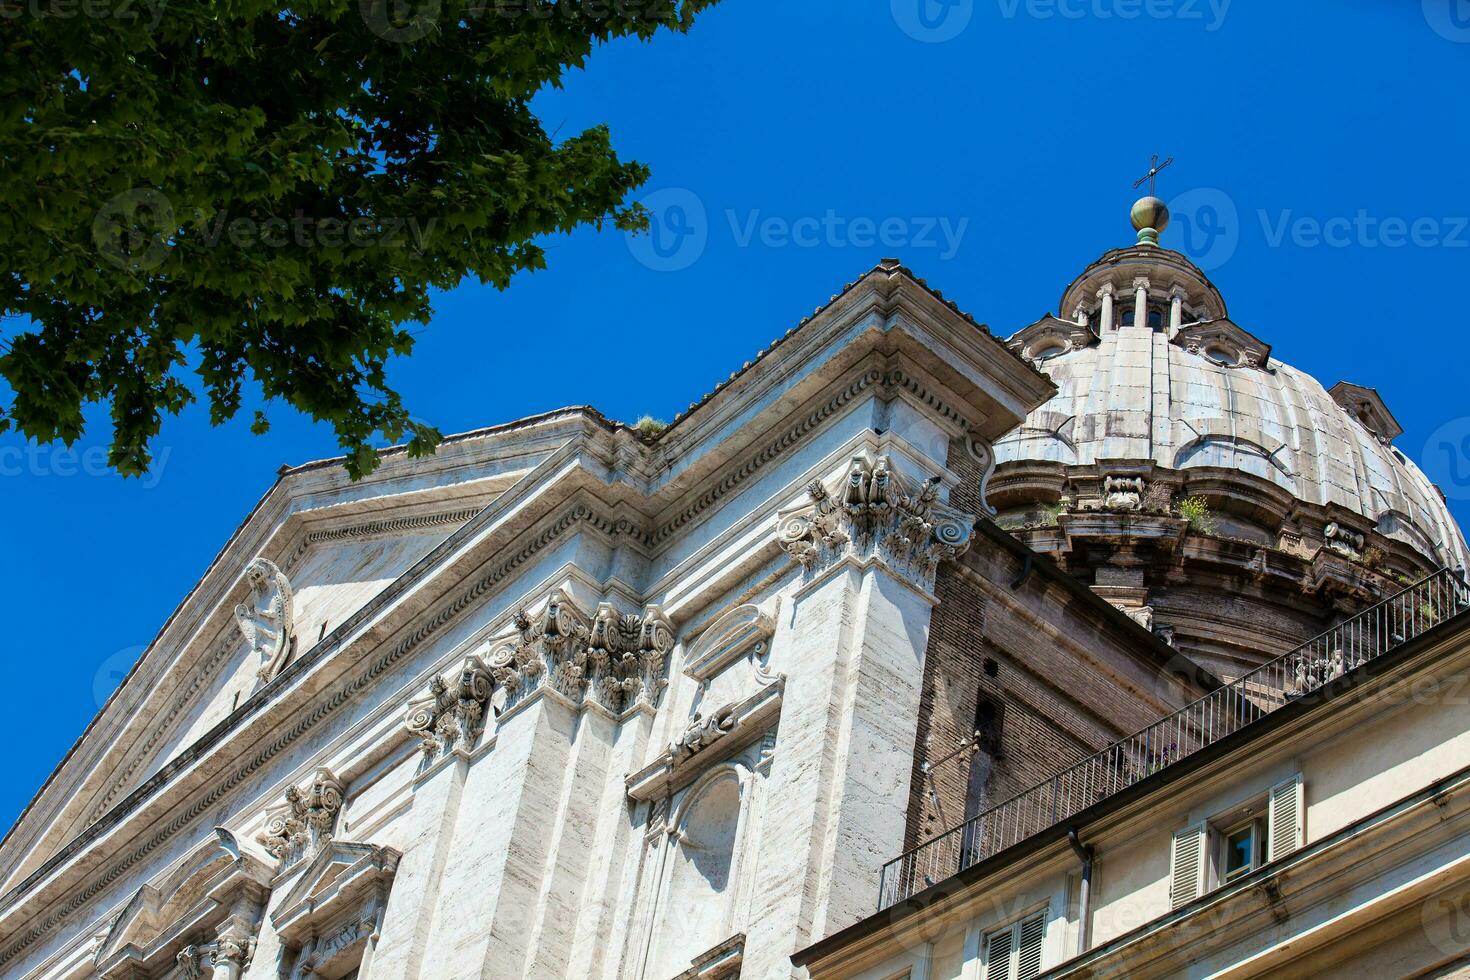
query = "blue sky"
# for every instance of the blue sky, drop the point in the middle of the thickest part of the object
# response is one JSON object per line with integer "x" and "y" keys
{"x": 1321, "y": 178}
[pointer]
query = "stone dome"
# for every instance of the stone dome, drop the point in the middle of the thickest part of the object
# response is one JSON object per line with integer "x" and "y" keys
{"x": 1161, "y": 397}
{"x": 1212, "y": 396}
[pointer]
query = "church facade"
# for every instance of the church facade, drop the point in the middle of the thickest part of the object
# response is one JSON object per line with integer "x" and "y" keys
{"x": 571, "y": 699}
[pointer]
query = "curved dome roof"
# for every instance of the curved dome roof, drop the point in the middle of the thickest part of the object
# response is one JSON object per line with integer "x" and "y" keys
{"x": 1206, "y": 393}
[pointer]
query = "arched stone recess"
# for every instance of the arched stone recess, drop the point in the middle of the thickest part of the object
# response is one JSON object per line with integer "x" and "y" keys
{"x": 1231, "y": 443}
{"x": 701, "y": 841}
{"x": 1047, "y": 434}
{"x": 330, "y": 921}
{"x": 201, "y": 919}
{"x": 1400, "y": 526}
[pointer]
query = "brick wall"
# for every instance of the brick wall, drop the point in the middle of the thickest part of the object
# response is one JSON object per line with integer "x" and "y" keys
{"x": 1021, "y": 648}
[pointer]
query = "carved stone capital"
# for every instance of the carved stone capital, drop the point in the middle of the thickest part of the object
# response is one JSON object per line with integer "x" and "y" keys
{"x": 876, "y": 515}
{"x": 616, "y": 659}
{"x": 305, "y": 822}
{"x": 453, "y": 713}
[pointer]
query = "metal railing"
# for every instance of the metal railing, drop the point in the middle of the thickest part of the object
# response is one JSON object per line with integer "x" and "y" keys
{"x": 1352, "y": 643}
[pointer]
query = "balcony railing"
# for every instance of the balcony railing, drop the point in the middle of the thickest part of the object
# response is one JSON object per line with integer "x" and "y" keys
{"x": 1352, "y": 643}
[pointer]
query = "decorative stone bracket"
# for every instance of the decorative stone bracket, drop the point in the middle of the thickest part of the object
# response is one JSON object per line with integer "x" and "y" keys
{"x": 615, "y": 660}
{"x": 710, "y": 738}
{"x": 453, "y": 714}
{"x": 305, "y": 823}
{"x": 876, "y": 515}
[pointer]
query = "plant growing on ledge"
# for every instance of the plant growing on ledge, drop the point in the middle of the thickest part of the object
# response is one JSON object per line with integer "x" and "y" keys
{"x": 1196, "y": 510}
{"x": 648, "y": 426}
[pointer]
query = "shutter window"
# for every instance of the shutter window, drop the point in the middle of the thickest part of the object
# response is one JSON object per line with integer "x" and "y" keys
{"x": 998, "y": 955}
{"x": 1014, "y": 953}
{"x": 1285, "y": 813}
{"x": 1028, "y": 954}
{"x": 1187, "y": 865}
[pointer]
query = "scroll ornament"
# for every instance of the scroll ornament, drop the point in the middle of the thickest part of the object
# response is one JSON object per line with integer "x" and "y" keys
{"x": 877, "y": 514}
{"x": 305, "y": 823}
{"x": 453, "y": 713}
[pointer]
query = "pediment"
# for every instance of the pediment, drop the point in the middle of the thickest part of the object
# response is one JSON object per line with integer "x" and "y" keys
{"x": 186, "y": 906}
{"x": 728, "y": 639}
{"x": 342, "y": 881}
{"x": 1367, "y": 408}
{"x": 1049, "y": 336}
{"x": 1224, "y": 343}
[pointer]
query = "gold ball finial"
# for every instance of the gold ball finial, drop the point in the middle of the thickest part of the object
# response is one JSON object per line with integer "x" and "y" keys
{"x": 1150, "y": 217}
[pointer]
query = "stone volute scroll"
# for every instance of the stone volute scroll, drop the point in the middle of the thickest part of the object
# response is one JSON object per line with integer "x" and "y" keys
{"x": 264, "y": 617}
{"x": 304, "y": 824}
{"x": 452, "y": 716}
{"x": 876, "y": 515}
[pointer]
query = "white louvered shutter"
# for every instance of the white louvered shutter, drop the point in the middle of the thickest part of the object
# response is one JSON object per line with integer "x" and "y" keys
{"x": 1028, "y": 962}
{"x": 1285, "y": 818}
{"x": 998, "y": 955}
{"x": 1187, "y": 862}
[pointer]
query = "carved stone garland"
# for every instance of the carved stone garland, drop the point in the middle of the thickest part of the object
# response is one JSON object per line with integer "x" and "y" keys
{"x": 616, "y": 659}
{"x": 306, "y": 822}
{"x": 453, "y": 714}
{"x": 702, "y": 733}
{"x": 875, "y": 514}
